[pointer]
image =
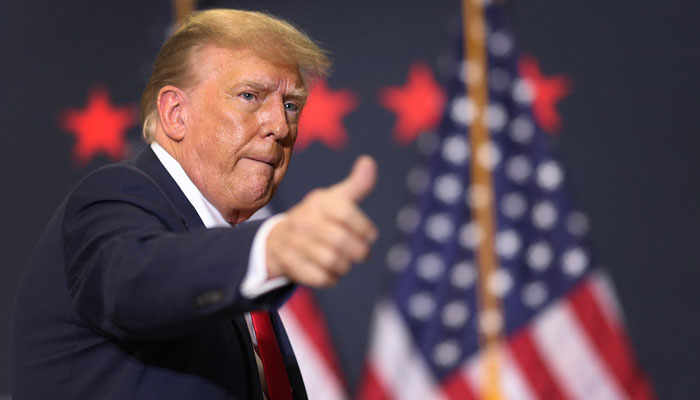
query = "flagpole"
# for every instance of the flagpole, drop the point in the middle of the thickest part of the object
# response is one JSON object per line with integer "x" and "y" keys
{"x": 483, "y": 213}
{"x": 181, "y": 8}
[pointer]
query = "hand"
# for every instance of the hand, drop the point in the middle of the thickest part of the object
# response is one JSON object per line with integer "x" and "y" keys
{"x": 322, "y": 236}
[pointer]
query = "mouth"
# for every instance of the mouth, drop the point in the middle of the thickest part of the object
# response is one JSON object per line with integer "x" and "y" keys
{"x": 269, "y": 160}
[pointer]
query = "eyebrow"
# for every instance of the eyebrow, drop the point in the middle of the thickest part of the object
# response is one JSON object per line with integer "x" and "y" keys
{"x": 298, "y": 93}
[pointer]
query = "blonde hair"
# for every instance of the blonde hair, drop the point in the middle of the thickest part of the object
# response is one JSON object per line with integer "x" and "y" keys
{"x": 265, "y": 35}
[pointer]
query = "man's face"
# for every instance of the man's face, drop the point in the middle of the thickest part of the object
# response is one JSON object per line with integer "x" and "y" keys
{"x": 241, "y": 118}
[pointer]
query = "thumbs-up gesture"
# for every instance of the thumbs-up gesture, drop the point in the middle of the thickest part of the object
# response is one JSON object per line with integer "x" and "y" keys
{"x": 322, "y": 236}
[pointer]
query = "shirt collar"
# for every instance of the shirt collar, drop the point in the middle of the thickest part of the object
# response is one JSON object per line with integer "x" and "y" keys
{"x": 210, "y": 216}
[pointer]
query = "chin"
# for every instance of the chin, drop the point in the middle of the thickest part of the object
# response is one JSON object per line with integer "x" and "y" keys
{"x": 253, "y": 201}
{"x": 252, "y": 196}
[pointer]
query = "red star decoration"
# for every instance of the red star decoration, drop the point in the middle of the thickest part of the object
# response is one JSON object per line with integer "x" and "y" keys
{"x": 322, "y": 118}
{"x": 418, "y": 104}
{"x": 547, "y": 93}
{"x": 99, "y": 127}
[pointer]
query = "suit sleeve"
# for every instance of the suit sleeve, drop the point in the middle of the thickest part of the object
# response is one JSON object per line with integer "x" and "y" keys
{"x": 135, "y": 272}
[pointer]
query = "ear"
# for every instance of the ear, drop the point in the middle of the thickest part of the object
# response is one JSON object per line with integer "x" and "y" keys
{"x": 171, "y": 111}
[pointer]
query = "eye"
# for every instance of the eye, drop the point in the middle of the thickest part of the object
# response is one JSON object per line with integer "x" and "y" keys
{"x": 291, "y": 107}
{"x": 247, "y": 96}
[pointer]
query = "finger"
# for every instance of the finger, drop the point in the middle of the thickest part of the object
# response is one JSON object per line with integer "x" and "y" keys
{"x": 352, "y": 219}
{"x": 321, "y": 207}
{"x": 299, "y": 268}
{"x": 344, "y": 242}
{"x": 327, "y": 257}
{"x": 360, "y": 181}
{"x": 349, "y": 215}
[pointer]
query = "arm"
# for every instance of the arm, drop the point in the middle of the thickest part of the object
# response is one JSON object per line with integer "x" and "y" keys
{"x": 133, "y": 270}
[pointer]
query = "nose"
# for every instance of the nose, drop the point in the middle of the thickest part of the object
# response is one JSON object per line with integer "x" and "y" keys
{"x": 273, "y": 119}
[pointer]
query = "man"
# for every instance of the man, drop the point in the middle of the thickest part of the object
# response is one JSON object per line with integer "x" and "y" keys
{"x": 129, "y": 295}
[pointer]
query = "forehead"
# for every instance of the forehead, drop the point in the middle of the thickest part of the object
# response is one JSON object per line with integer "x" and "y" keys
{"x": 234, "y": 66}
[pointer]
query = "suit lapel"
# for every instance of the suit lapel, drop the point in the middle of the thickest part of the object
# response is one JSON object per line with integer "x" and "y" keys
{"x": 148, "y": 162}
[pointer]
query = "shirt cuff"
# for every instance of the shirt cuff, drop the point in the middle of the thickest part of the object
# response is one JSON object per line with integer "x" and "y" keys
{"x": 255, "y": 282}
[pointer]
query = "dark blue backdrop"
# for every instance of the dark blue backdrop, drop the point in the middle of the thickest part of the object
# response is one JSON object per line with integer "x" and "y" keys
{"x": 629, "y": 142}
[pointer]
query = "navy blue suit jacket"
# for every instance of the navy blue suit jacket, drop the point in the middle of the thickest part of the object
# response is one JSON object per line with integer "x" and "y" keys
{"x": 128, "y": 296}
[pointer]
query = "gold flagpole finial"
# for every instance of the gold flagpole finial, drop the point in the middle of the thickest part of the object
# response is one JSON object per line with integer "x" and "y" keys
{"x": 181, "y": 8}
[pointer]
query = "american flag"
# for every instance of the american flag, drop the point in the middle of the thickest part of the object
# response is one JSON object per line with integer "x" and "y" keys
{"x": 536, "y": 320}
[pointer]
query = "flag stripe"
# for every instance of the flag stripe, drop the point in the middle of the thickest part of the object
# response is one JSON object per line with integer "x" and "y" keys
{"x": 611, "y": 343}
{"x": 515, "y": 383}
{"x": 371, "y": 388}
{"x": 456, "y": 387}
{"x": 311, "y": 319}
{"x": 569, "y": 354}
{"x": 536, "y": 371}
{"x": 512, "y": 383}
{"x": 319, "y": 378}
{"x": 603, "y": 290}
{"x": 398, "y": 367}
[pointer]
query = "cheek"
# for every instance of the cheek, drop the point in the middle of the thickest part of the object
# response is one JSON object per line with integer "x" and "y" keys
{"x": 225, "y": 141}
{"x": 234, "y": 130}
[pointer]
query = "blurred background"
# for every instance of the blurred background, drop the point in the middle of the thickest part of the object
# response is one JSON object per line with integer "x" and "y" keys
{"x": 627, "y": 142}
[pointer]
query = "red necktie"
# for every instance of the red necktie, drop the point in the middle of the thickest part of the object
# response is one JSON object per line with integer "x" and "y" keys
{"x": 271, "y": 357}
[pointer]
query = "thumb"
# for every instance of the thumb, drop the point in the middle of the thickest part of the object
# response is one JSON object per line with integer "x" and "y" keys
{"x": 361, "y": 179}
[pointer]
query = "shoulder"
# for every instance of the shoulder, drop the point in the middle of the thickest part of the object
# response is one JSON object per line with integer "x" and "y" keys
{"x": 123, "y": 177}
{"x": 116, "y": 182}
{"x": 119, "y": 186}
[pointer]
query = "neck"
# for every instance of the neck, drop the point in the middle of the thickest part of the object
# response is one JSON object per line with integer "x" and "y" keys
{"x": 173, "y": 148}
